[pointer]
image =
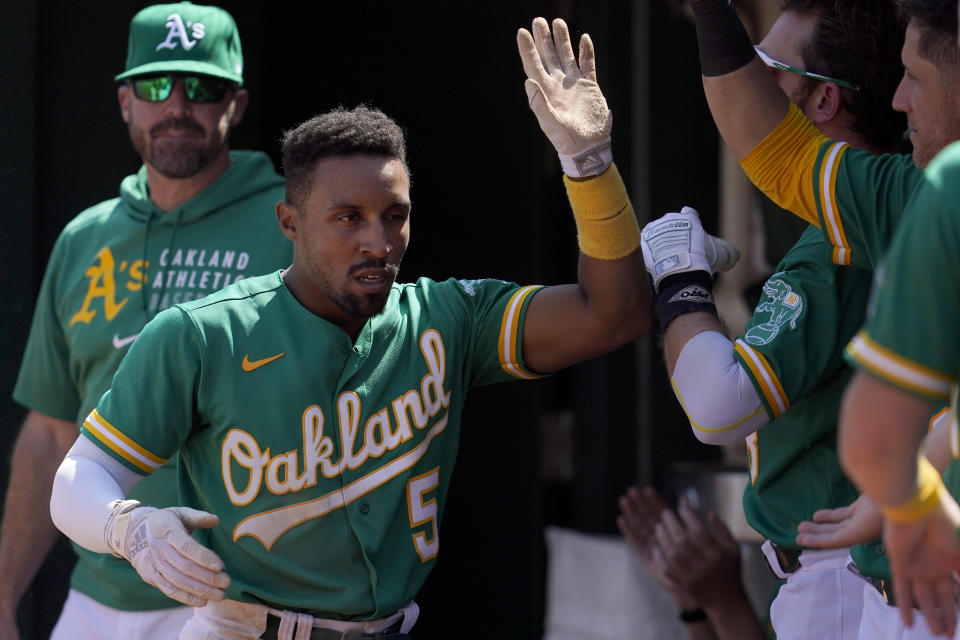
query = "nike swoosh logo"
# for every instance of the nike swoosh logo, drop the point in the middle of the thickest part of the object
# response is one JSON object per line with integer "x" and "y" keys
{"x": 250, "y": 365}
{"x": 120, "y": 343}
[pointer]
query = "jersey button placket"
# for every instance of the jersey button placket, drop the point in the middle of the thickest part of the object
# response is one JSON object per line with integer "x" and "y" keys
{"x": 364, "y": 508}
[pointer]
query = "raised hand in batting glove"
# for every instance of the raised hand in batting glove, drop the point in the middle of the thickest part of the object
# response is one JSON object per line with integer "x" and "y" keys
{"x": 676, "y": 243}
{"x": 564, "y": 95}
{"x": 157, "y": 543}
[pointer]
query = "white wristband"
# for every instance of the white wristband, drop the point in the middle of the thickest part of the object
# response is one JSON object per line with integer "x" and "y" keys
{"x": 591, "y": 162}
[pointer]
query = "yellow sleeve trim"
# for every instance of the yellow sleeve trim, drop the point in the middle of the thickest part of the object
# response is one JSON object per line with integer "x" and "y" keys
{"x": 510, "y": 334}
{"x": 828, "y": 202}
{"x": 763, "y": 373}
{"x": 782, "y": 164}
{"x": 120, "y": 444}
{"x": 896, "y": 369}
{"x": 607, "y": 226}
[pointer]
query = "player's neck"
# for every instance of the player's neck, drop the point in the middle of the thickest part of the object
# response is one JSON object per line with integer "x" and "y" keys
{"x": 310, "y": 298}
{"x": 841, "y": 129}
{"x": 169, "y": 193}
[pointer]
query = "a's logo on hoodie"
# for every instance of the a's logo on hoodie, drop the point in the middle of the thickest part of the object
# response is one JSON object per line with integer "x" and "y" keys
{"x": 184, "y": 274}
{"x": 102, "y": 276}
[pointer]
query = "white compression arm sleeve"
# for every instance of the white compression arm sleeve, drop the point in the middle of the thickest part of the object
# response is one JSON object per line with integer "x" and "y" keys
{"x": 87, "y": 484}
{"x": 715, "y": 391}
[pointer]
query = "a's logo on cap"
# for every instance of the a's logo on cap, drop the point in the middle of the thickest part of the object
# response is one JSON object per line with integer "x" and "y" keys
{"x": 178, "y": 30}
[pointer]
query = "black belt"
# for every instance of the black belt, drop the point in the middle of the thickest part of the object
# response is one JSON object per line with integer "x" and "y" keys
{"x": 321, "y": 633}
{"x": 787, "y": 558}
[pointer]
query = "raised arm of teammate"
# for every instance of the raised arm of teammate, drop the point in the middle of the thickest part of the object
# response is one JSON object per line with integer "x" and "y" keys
{"x": 736, "y": 82}
{"x": 681, "y": 259}
{"x": 610, "y": 305}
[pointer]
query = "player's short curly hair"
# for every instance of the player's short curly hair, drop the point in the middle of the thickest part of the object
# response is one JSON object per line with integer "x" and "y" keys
{"x": 859, "y": 41}
{"x": 340, "y": 132}
{"x": 937, "y": 20}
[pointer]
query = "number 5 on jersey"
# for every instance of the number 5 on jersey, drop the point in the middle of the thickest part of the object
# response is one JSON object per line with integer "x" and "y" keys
{"x": 423, "y": 512}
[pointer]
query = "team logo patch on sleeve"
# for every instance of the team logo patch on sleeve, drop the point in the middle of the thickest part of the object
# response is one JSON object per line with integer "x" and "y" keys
{"x": 784, "y": 306}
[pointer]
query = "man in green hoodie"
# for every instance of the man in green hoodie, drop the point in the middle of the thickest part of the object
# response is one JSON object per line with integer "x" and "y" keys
{"x": 195, "y": 218}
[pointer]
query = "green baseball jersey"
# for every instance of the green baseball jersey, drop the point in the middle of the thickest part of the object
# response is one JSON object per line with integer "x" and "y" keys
{"x": 855, "y": 197}
{"x": 909, "y": 339}
{"x": 792, "y": 349}
{"x": 861, "y": 199}
{"x": 327, "y": 459}
{"x": 919, "y": 352}
{"x": 112, "y": 268}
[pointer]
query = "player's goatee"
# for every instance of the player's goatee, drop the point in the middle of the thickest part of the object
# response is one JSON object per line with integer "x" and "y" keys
{"x": 176, "y": 157}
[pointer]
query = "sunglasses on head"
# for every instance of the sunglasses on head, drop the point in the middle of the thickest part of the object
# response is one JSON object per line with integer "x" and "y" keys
{"x": 197, "y": 88}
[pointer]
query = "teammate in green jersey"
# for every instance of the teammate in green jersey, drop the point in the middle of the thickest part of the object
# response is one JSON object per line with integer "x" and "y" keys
{"x": 317, "y": 409}
{"x": 195, "y": 218}
{"x": 908, "y": 359}
{"x": 779, "y": 384}
{"x": 819, "y": 179}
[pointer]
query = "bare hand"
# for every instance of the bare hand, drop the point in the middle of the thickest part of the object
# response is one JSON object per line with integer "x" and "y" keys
{"x": 860, "y": 521}
{"x": 641, "y": 510}
{"x": 702, "y": 559}
{"x": 924, "y": 557}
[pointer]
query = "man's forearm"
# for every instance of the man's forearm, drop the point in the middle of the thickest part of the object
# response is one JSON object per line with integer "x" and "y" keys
{"x": 681, "y": 330}
{"x": 735, "y": 619}
{"x": 881, "y": 429}
{"x": 744, "y": 98}
{"x": 27, "y": 532}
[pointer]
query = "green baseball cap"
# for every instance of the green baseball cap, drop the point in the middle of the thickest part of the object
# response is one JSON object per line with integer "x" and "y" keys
{"x": 184, "y": 38}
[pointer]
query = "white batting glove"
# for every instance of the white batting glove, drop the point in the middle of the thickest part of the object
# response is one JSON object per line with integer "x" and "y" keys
{"x": 565, "y": 97}
{"x": 157, "y": 543}
{"x": 677, "y": 242}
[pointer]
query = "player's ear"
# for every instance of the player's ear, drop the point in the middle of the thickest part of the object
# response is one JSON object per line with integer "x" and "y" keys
{"x": 825, "y": 102}
{"x": 124, "y": 98}
{"x": 240, "y": 100}
{"x": 287, "y": 219}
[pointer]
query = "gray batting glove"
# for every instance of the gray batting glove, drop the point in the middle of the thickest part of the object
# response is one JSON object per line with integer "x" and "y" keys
{"x": 677, "y": 242}
{"x": 157, "y": 543}
{"x": 564, "y": 95}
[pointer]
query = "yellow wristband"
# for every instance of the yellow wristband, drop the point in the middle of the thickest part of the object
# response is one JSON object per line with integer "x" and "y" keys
{"x": 607, "y": 228}
{"x": 929, "y": 488}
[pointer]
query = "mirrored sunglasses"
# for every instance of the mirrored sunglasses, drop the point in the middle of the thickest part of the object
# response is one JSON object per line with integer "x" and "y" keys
{"x": 197, "y": 88}
{"x": 783, "y": 66}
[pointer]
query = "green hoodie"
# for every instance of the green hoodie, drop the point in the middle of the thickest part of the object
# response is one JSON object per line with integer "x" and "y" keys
{"x": 112, "y": 269}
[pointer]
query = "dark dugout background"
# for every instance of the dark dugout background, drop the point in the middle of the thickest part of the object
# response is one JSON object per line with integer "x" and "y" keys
{"x": 488, "y": 200}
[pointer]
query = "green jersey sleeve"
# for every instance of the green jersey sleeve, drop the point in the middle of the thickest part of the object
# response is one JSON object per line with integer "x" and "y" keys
{"x": 45, "y": 382}
{"x": 148, "y": 412}
{"x": 861, "y": 199}
{"x": 910, "y": 340}
{"x": 493, "y": 313}
{"x": 809, "y": 309}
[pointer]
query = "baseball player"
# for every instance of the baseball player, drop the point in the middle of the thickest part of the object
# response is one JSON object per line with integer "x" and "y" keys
{"x": 195, "y": 218}
{"x": 317, "y": 409}
{"x": 907, "y": 358}
{"x": 824, "y": 180}
{"x": 779, "y": 384}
